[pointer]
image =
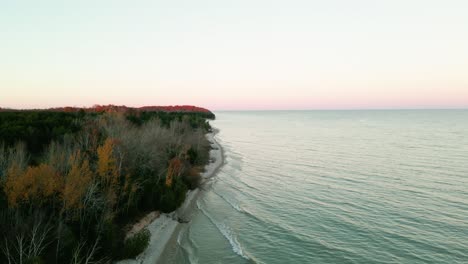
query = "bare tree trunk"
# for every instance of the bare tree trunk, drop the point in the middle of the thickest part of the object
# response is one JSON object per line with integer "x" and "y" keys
{"x": 59, "y": 236}
{"x": 6, "y": 252}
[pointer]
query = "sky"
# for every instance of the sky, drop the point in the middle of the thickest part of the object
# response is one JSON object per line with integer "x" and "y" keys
{"x": 235, "y": 54}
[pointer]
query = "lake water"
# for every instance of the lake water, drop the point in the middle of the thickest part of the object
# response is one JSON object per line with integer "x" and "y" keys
{"x": 335, "y": 187}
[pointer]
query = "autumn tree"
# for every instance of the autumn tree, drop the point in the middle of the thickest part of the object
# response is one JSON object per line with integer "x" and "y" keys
{"x": 12, "y": 187}
{"x": 90, "y": 174}
{"x": 77, "y": 181}
{"x": 174, "y": 170}
{"x": 36, "y": 183}
{"x": 107, "y": 170}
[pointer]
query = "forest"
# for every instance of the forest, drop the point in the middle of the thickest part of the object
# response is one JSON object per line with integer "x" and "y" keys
{"x": 72, "y": 179}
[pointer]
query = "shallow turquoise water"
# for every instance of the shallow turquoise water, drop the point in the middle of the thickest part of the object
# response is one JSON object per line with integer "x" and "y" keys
{"x": 335, "y": 187}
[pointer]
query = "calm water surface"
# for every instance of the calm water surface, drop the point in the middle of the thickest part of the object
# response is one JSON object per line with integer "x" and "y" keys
{"x": 335, "y": 187}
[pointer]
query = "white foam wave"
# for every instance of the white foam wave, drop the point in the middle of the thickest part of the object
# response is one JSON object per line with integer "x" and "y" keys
{"x": 179, "y": 237}
{"x": 232, "y": 238}
{"x": 227, "y": 232}
{"x": 187, "y": 247}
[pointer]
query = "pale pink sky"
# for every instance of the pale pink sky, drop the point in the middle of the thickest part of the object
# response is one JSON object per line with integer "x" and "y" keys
{"x": 224, "y": 55}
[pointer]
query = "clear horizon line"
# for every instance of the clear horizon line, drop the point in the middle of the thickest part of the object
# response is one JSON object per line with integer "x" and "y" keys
{"x": 338, "y": 109}
{"x": 271, "y": 109}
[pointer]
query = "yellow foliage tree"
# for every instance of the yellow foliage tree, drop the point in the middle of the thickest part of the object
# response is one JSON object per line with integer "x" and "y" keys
{"x": 77, "y": 181}
{"x": 11, "y": 188}
{"x": 174, "y": 170}
{"x": 107, "y": 164}
{"x": 36, "y": 183}
{"x": 107, "y": 169}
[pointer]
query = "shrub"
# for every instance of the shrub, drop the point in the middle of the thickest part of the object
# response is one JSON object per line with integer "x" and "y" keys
{"x": 173, "y": 197}
{"x": 192, "y": 155}
{"x": 136, "y": 244}
{"x": 168, "y": 201}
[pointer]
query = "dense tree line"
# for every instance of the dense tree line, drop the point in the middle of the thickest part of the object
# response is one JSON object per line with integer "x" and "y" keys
{"x": 70, "y": 182}
{"x": 37, "y": 128}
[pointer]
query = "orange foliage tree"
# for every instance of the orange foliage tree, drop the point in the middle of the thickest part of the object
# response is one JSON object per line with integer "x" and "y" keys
{"x": 35, "y": 184}
{"x": 174, "y": 170}
{"x": 77, "y": 181}
{"x": 107, "y": 169}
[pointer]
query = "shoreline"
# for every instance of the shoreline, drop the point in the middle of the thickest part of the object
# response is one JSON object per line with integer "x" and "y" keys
{"x": 165, "y": 229}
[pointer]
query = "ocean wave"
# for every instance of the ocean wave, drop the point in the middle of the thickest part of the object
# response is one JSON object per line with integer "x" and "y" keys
{"x": 233, "y": 204}
{"x": 187, "y": 246}
{"x": 227, "y": 232}
{"x": 179, "y": 237}
{"x": 235, "y": 179}
{"x": 232, "y": 238}
{"x": 337, "y": 192}
{"x": 191, "y": 239}
{"x": 183, "y": 249}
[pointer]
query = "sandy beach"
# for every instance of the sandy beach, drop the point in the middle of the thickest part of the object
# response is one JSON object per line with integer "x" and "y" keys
{"x": 165, "y": 228}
